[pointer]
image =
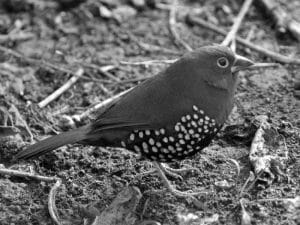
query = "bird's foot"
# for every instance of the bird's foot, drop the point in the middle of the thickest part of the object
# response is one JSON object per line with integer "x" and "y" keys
{"x": 161, "y": 169}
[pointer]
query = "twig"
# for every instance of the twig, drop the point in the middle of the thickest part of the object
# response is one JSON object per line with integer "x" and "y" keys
{"x": 276, "y": 56}
{"x": 101, "y": 105}
{"x": 62, "y": 89}
{"x": 17, "y": 173}
{"x": 263, "y": 65}
{"x": 51, "y": 202}
{"x": 51, "y": 199}
{"x": 232, "y": 34}
{"x": 103, "y": 70}
{"x": 138, "y": 79}
{"x": 149, "y": 62}
{"x": 172, "y": 27}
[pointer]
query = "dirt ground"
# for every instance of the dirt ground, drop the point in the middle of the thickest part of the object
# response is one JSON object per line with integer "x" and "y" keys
{"x": 95, "y": 34}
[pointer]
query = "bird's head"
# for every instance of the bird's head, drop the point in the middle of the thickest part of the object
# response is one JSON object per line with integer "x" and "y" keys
{"x": 218, "y": 66}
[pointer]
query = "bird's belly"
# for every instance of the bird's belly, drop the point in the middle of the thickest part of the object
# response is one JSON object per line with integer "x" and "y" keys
{"x": 183, "y": 139}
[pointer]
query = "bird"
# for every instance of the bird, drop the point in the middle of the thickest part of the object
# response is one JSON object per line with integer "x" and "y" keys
{"x": 169, "y": 117}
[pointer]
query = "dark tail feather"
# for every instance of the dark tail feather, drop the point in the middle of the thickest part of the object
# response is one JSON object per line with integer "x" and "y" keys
{"x": 52, "y": 143}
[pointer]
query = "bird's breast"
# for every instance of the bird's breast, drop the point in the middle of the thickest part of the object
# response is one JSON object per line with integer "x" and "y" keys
{"x": 188, "y": 135}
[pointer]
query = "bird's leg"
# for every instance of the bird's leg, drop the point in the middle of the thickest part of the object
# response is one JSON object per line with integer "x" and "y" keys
{"x": 160, "y": 169}
{"x": 173, "y": 172}
{"x": 169, "y": 171}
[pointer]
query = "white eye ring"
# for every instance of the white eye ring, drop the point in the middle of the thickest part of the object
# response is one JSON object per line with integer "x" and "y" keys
{"x": 222, "y": 62}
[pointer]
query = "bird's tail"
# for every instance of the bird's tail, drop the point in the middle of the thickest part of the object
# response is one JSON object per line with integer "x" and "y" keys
{"x": 51, "y": 143}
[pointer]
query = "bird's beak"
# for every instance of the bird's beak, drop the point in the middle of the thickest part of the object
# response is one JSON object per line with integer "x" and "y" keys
{"x": 241, "y": 63}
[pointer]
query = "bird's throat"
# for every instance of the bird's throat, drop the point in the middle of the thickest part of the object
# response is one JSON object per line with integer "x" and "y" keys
{"x": 221, "y": 84}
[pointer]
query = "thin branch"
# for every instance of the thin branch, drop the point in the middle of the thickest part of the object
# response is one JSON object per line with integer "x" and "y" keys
{"x": 172, "y": 27}
{"x": 276, "y": 56}
{"x": 101, "y": 105}
{"x": 149, "y": 62}
{"x": 79, "y": 73}
{"x": 103, "y": 70}
{"x": 233, "y": 31}
{"x": 51, "y": 202}
{"x": 10, "y": 172}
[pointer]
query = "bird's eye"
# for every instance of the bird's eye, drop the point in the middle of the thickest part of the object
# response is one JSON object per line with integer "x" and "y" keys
{"x": 223, "y": 62}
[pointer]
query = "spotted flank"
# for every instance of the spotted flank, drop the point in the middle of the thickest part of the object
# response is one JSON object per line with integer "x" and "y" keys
{"x": 189, "y": 135}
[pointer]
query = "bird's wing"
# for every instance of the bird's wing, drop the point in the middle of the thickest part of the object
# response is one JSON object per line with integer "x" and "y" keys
{"x": 152, "y": 104}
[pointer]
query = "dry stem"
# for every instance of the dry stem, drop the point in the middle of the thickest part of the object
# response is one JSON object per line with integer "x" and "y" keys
{"x": 79, "y": 73}
{"x": 233, "y": 31}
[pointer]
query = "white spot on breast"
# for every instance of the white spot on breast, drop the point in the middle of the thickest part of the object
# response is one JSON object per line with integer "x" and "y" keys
{"x": 131, "y": 137}
{"x": 195, "y": 116}
{"x": 145, "y": 147}
{"x": 179, "y": 149}
{"x": 154, "y": 149}
{"x": 158, "y": 144}
{"x": 147, "y": 132}
{"x": 201, "y": 111}
{"x": 171, "y": 139}
{"x": 182, "y": 128}
{"x": 170, "y": 156}
{"x": 161, "y": 156}
{"x": 141, "y": 135}
{"x": 183, "y": 119}
{"x": 177, "y": 128}
{"x": 136, "y": 148}
{"x": 153, "y": 157}
{"x": 171, "y": 148}
{"x": 165, "y": 150}
{"x": 195, "y": 108}
{"x": 165, "y": 139}
{"x": 206, "y": 118}
{"x": 199, "y": 129}
{"x": 151, "y": 141}
{"x": 191, "y": 131}
{"x": 205, "y": 127}
{"x": 186, "y": 137}
{"x": 162, "y": 131}
{"x": 194, "y": 124}
{"x": 123, "y": 144}
{"x": 188, "y": 117}
{"x": 157, "y": 132}
{"x": 181, "y": 141}
{"x": 215, "y": 129}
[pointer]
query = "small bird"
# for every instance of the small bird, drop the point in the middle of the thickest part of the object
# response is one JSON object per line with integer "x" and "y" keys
{"x": 169, "y": 117}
